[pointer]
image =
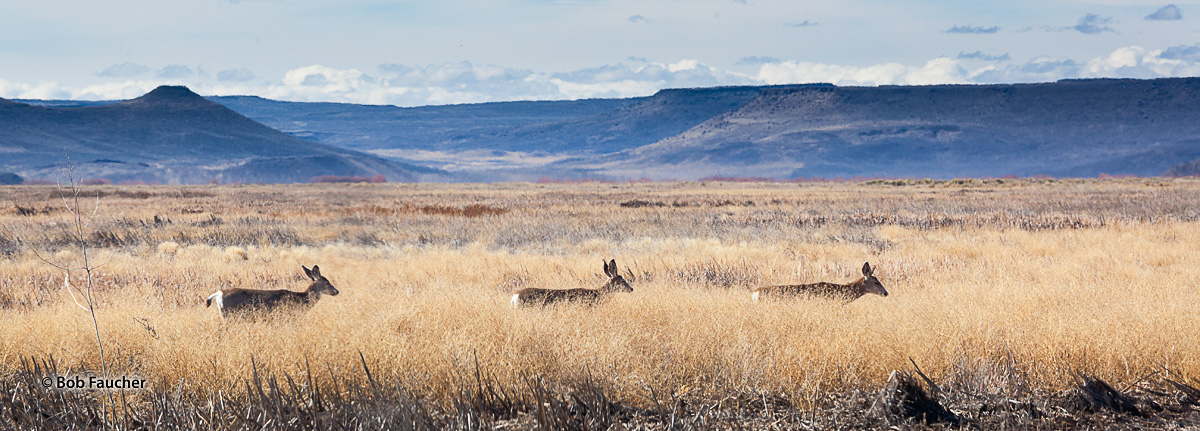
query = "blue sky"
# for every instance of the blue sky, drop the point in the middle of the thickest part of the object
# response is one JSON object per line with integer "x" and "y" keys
{"x": 464, "y": 51}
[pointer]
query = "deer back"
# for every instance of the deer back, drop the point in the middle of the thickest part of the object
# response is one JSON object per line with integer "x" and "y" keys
{"x": 846, "y": 292}
{"x": 240, "y": 301}
{"x": 536, "y": 296}
{"x": 237, "y": 299}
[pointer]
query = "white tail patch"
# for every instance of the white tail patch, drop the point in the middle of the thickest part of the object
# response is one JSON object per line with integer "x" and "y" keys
{"x": 516, "y": 301}
{"x": 754, "y": 297}
{"x": 216, "y": 297}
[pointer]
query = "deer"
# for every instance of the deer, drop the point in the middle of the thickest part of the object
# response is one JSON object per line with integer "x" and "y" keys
{"x": 846, "y": 292}
{"x": 246, "y": 301}
{"x": 533, "y": 296}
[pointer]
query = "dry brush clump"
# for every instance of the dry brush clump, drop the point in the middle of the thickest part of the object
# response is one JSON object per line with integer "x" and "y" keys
{"x": 986, "y": 305}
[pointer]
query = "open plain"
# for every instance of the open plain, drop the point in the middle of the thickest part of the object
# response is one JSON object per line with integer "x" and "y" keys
{"x": 1019, "y": 300}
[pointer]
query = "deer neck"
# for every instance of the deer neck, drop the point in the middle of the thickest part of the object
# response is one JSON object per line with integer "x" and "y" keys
{"x": 857, "y": 288}
{"x": 312, "y": 294}
{"x": 609, "y": 287}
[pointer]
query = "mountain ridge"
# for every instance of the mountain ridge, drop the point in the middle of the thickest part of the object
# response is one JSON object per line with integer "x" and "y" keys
{"x": 1065, "y": 128}
{"x": 1073, "y": 128}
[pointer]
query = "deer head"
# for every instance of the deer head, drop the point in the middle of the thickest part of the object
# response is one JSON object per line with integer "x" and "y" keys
{"x": 616, "y": 282}
{"x": 870, "y": 283}
{"x": 320, "y": 285}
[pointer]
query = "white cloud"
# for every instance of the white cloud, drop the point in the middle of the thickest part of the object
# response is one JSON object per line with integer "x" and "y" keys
{"x": 1126, "y": 62}
{"x": 41, "y": 90}
{"x": 612, "y": 89}
{"x": 461, "y": 82}
{"x": 1137, "y": 62}
{"x": 464, "y": 82}
{"x": 118, "y": 90}
{"x": 1039, "y": 69}
{"x": 937, "y": 71}
{"x": 683, "y": 65}
{"x": 317, "y": 82}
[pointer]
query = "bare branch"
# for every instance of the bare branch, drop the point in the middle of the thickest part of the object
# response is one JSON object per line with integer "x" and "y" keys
{"x": 47, "y": 261}
{"x": 108, "y": 259}
{"x": 73, "y": 207}
{"x": 67, "y": 285}
{"x": 96, "y": 209}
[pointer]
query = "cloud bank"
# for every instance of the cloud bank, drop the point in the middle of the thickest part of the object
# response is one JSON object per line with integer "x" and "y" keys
{"x": 465, "y": 82}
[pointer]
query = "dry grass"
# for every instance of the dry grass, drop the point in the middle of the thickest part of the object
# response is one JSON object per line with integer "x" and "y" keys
{"x": 993, "y": 286}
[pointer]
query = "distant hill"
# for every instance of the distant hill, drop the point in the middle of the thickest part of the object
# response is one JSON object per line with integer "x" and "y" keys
{"x": 373, "y": 127}
{"x": 643, "y": 122}
{"x": 504, "y": 137}
{"x": 1186, "y": 169}
{"x": 171, "y": 135}
{"x": 1066, "y": 128}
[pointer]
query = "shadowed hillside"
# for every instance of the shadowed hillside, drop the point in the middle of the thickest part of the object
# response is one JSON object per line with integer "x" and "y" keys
{"x": 170, "y": 135}
{"x": 520, "y": 138}
{"x": 1067, "y": 128}
{"x": 1070, "y": 128}
{"x": 373, "y": 127}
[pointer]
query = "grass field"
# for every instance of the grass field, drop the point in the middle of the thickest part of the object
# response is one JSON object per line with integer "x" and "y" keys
{"x": 997, "y": 287}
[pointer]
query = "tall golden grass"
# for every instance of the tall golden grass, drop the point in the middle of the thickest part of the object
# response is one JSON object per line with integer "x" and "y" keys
{"x": 993, "y": 284}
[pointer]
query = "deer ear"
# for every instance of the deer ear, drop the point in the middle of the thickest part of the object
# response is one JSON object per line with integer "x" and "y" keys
{"x": 316, "y": 273}
{"x": 867, "y": 269}
{"x": 307, "y": 271}
{"x": 612, "y": 266}
{"x": 607, "y": 271}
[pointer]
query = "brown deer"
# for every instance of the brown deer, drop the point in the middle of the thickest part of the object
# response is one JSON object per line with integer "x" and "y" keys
{"x": 845, "y": 292}
{"x": 535, "y": 296}
{"x": 247, "y": 301}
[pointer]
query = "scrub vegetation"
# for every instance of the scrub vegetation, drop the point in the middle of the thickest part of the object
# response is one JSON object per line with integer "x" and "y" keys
{"x": 1035, "y": 302}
